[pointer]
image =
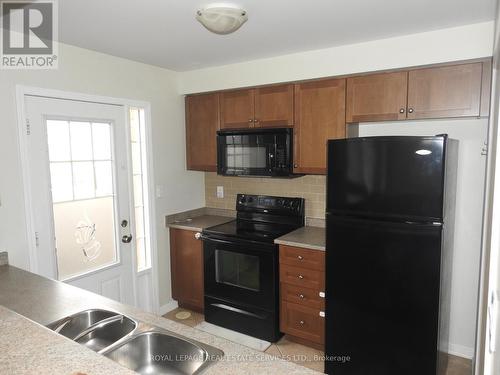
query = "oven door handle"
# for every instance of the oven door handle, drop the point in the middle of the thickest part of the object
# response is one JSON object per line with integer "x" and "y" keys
{"x": 206, "y": 238}
{"x": 239, "y": 311}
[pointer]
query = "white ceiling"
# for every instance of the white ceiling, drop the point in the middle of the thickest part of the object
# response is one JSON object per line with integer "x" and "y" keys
{"x": 165, "y": 32}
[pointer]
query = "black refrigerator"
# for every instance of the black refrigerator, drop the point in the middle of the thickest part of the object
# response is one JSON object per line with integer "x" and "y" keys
{"x": 389, "y": 221}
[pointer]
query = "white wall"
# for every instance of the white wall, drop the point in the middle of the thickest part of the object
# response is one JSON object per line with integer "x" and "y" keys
{"x": 472, "y": 134}
{"x": 95, "y": 73}
{"x": 459, "y": 43}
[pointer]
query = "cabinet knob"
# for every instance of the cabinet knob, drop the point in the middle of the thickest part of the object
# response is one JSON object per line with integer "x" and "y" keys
{"x": 301, "y": 296}
{"x": 256, "y": 120}
{"x": 295, "y": 165}
{"x": 401, "y": 110}
{"x": 197, "y": 235}
{"x": 410, "y": 110}
{"x": 250, "y": 120}
{"x": 300, "y": 277}
{"x": 302, "y": 322}
{"x": 300, "y": 257}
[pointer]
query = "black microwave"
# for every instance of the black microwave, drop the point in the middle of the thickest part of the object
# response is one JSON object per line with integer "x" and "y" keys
{"x": 255, "y": 152}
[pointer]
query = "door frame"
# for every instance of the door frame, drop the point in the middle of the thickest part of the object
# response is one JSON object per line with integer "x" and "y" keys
{"x": 21, "y": 92}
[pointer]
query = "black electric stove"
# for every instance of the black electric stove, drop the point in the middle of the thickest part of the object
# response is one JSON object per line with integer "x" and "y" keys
{"x": 241, "y": 264}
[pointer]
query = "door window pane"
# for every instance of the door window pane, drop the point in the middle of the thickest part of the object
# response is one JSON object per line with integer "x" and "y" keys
{"x": 61, "y": 182}
{"x": 58, "y": 139}
{"x": 103, "y": 178}
{"x": 83, "y": 180}
{"x": 81, "y": 141}
{"x": 237, "y": 269}
{"x": 101, "y": 141}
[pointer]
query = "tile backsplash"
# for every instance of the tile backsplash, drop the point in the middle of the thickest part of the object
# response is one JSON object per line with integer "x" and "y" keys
{"x": 312, "y": 188}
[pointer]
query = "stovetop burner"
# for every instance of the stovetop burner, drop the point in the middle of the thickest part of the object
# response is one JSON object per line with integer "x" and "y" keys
{"x": 262, "y": 218}
{"x": 248, "y": 230}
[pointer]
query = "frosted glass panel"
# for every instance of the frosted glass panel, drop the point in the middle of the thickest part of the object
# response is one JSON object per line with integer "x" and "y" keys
{"x": 61, "y": 182}
{"x": 81, "y": 141}
{"x": 83, "y": 180}
{"x": 139, "y": 222}
{"x": 101, "y": 138}
{"x": 134, "y": 126}
{"x": 138, "y": 190}
{"x": 142, "y": 261}
{"x": 136, "y": 158}
{"x": 58, "y": 139}
{"x": 85, "y": 236}
{"x": 103, "y": 178}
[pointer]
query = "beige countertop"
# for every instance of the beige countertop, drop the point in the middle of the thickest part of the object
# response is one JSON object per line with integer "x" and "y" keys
{"x": 28, "y": 348}
{"x": 306, "y": 237}
{"x": 198, "y": 223}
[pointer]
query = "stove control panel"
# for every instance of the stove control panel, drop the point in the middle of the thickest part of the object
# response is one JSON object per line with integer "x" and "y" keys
{"x": 247, "y": 202}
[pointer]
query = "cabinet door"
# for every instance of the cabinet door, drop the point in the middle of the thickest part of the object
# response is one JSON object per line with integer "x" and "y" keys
{"x": 274, "y": 106}
{"x": 237, "y": 109}
{"x": 186, "y": 262}
{"x": 319, "y": 116}
{"x": 448, "y": 91}
{"x": 202, "y": 123}
{"x": 377, "y": 97}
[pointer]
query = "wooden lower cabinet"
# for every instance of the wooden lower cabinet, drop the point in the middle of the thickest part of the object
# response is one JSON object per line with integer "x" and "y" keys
{"x": 186, "y": 264}
{"x": 302, "y": 279}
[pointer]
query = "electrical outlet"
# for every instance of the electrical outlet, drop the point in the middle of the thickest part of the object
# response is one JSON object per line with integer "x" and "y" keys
{"x": 220, "y": 191}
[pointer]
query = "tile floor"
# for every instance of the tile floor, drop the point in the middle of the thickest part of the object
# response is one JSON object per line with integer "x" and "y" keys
{"x": 308, "y": 357}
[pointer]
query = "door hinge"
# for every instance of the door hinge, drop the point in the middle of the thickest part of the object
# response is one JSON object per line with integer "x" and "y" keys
{"x": 28, "y": 127}
{"x": 37, "y": 240}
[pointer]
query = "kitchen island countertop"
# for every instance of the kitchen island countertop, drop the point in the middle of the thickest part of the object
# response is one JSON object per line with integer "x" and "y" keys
{"x": 27, "y": 347}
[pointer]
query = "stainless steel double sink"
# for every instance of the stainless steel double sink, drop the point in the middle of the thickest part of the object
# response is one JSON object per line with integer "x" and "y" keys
{"x": 136, "y": 345}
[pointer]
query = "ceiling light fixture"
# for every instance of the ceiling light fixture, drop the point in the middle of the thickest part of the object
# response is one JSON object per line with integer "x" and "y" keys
{"x": 222, "y": 18}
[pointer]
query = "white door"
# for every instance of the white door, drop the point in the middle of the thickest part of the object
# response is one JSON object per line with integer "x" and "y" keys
{"x": 79, "y": 181}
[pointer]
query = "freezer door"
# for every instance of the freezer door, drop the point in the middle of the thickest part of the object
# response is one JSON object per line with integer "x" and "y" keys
{"x": 382, "y": 297}
{"x": 394, "y": 177}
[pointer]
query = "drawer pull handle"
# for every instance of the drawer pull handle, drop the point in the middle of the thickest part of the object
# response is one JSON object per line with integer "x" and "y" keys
{"x": 302, "y": 322}
{"x": 322, "y": 314}
{"x": 301, "y": 296}
{"x": 322, "y": 294}
{"x": 300, "y": 277}
{"x": 300, "y": 257}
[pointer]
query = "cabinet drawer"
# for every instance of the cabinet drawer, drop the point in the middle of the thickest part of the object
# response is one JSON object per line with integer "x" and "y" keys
{"x": 302, "y": 321}
{"x": 299, "y": 257}
{"x": 302, "y": 296}
{"x": 303, "y": 277}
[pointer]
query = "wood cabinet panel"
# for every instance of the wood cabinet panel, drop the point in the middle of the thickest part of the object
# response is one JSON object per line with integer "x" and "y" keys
{"x": 186, "y": 263}
{"x": 448, "y": 91}
{"x": 319, "y": 116}
{"x": 274, "y": 106}
{"x": 377, "y": 97}
{"x": 302, "y": 277}
{"x": 237, "y": 109}
{"x": 202, "y": 123}
{"x": 302, "y": 321}
{"x": 300, "y": 257}
{"x": 302, "y": 296}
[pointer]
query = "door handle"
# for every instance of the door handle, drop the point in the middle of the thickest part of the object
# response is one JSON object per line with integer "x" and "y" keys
{"x": 127, "y": 238}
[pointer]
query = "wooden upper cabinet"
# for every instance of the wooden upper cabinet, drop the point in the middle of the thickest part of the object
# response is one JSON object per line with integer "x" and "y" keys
{"x": 377, "y": 97}
{"x": 274, "y": 106}
{"x": 270, "y": 106}
{"x": 186, "y": 267}
{"x": 202, "y": 123}
{"x": 237, "y": 109}
{"x": 319, "y": 116}
{"x": 448, "y": 91}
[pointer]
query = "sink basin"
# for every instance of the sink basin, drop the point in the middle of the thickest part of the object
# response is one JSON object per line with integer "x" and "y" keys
{"x": 96, "y": 329}
{"x": 160, "y": 353}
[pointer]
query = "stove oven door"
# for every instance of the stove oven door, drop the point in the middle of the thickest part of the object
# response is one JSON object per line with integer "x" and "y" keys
{"x": 241, "y": 272}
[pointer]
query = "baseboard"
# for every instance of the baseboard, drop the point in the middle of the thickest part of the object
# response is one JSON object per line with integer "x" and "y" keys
{"x": 168, "y": 307}
{"x": 460, "y": 351}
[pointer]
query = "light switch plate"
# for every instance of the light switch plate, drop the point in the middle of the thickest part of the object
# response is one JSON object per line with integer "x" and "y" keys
{"x": 220, "y": 191}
